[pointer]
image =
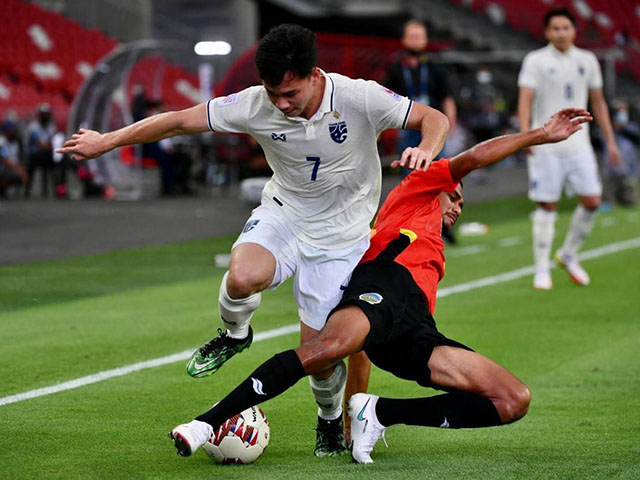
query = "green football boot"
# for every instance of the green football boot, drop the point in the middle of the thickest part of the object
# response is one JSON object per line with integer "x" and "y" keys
{"x": 212, "y": 355}
{"x": 330, "y": 440}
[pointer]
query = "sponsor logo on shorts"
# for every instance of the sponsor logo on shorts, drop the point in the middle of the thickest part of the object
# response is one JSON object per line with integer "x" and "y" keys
{"x": 250, "y": 225}
{"x": 229, "y": 100}
{"x": 372, "y": 298}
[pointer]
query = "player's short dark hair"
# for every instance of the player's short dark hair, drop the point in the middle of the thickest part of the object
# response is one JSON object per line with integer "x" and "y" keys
{"x": 558, "y": 12}
{"x": 286, "y": 48}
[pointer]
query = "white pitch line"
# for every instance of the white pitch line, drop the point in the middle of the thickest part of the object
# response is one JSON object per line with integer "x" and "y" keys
{"x": 277, "y": 332}
{"x": 510, "y": 241}
{"x": 136, "y": 367}
{"x": 470, "y": 250}
{"x": 524, "y": 271}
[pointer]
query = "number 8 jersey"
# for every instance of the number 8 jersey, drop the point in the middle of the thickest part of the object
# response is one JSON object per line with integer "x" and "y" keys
{"x": 326, "y": 170}
{"x": 560, "y": 80}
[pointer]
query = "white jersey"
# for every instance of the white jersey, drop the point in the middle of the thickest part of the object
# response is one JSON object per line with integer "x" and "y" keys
{"x": 560, "y": 80}
{"x": 326, "y": 170}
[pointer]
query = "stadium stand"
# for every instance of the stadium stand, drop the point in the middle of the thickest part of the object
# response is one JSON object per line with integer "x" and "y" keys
{"x": 44, "y": 58}
{"x": 602, "y": 24}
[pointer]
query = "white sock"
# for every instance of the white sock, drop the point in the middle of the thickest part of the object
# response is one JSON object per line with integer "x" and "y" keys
{"x": 543, "y": 230}
{"x": 236, "y": 313}
{"x": 581, "y": 225}
{"x": 328, "y": 392}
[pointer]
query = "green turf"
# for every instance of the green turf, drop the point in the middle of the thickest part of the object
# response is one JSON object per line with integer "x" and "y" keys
{"x": 576, "y": 348}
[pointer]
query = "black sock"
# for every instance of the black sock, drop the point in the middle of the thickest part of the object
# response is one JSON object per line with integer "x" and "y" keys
{"x": 267, "y": 381}
{"x": 451, "y": 410}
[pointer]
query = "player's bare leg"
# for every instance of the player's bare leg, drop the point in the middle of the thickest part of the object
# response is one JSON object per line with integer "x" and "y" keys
{"x": 328, "y": 384}
{"x": 344, "y": 334}
{"x": 466, "y": 371}
{"x": 251, "y": 270}
{"x": 581, "y": 225}
{"x": 543, "y": 219}
{"x": 482, "y": 394}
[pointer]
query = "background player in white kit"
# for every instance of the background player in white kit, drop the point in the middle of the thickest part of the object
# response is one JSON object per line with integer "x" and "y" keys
{"x": 319, "y": 134}
{"x": 555, "y": 77}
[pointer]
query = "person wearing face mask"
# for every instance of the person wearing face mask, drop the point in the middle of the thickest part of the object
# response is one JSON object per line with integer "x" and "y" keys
{"x": 621, "y": 180}
{"x": 416, "y": 76}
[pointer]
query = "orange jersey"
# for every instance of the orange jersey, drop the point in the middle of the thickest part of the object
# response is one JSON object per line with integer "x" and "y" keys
{"x": 413, "y": 207}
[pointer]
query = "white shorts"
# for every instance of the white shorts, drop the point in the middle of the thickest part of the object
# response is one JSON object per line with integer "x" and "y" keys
{"x": 319, "y": 275}
{"x": 550, "y": 172}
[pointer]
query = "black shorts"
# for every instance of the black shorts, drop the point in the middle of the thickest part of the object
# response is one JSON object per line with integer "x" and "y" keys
{"x": 403, "y": 333}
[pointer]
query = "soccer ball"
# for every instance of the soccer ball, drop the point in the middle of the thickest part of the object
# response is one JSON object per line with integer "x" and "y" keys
{"x": 241, "y": 439}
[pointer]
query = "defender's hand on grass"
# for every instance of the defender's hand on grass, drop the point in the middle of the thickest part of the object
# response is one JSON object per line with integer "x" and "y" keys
{"x": 413, "y": 158}
{"x": 564, "y": 123}
{"x": 85, "y": 144}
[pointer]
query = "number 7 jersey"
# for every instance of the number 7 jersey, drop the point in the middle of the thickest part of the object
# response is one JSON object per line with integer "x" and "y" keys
{"x": 560, "y": 80}
{"x": 326, "y": 170}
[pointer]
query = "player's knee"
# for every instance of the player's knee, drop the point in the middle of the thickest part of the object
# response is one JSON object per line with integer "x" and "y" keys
{"x": 591, "y": 203}
{"x": 516, "y": 404}
{"x": 332, "y": 351}
{"x": 243, "y": 282}
{"x": 320, "y": 355}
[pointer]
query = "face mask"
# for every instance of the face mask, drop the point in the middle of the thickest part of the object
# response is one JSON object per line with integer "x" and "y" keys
{"x": 622, "y": 117}
{"x": 484, "y": 76}
{"x": 412, "y": 52}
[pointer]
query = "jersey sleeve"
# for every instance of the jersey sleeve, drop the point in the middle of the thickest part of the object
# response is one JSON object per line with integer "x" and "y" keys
{"x": 528, "y": 77}
{"x": 435, "y": 180}
{"x": 420, "y": 185}
{"x": 385, "y": 108}
{"x": 229, "y": 114}
{"x": 594, "y": 81}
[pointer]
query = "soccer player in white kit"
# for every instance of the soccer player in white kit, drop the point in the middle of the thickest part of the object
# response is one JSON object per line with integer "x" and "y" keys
{"x": 319, "y": 133}
{"x": 555, "y": 77}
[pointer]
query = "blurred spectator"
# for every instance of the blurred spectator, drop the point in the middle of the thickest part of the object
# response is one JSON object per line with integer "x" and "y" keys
{"x": 60, "y": 164}
{"x": 139, "y": 103}
{"x": 177, "y": 169}
{"x": 12, "y": 171}
{"x": 621, "y": 180}
{"x": 484, "y": 107}
{"x": 40, "y": 154}
{"x": 418, "y": 78}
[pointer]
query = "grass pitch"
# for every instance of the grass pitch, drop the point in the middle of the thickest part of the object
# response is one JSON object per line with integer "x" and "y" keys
{"x": 576, "y": 348}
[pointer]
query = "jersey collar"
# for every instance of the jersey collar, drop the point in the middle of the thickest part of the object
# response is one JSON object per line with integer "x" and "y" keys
{"x": 557, "y": 52}
{"x": 326, "y": 105}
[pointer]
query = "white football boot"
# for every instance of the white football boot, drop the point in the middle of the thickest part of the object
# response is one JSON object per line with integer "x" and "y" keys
{"x": 569, "y": 263}
{"x": 542, "y": 280}
{"x": 188, "y": 437}
{"x": 366, "y": 430}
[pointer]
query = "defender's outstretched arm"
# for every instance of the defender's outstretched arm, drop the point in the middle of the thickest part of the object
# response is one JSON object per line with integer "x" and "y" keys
{"x": 559, "y": 127}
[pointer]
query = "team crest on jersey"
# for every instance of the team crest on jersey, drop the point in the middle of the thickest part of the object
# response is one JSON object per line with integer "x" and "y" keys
{"x": 229, "y": 100}
{"x": 581, "y": 70}
{"x": 250, "y": 225}
{"x": 338, "y": 131}
{"x": 372, "y": 298}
